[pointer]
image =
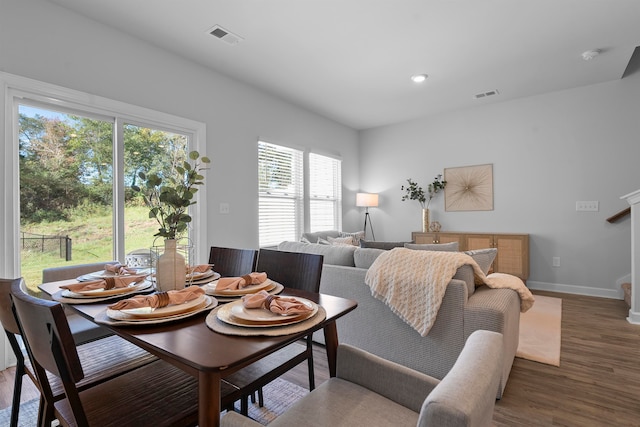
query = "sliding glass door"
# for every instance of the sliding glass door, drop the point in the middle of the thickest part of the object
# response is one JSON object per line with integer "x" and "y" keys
{"x": 76, "y": 173}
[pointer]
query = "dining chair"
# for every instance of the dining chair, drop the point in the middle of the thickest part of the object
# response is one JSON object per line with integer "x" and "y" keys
{"x": 157, "y": 393}
{"x": 101, "y": 359}
{"x": 231, "y": 262}
{"x": 83, "y": 329}
{"x": 293, "y": 270}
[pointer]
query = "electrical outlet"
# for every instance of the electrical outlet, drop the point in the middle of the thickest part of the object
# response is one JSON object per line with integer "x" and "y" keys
{"x": 588, "y": 206}
{"x": 556, "y": 261}
{"x": 224, "y": 208}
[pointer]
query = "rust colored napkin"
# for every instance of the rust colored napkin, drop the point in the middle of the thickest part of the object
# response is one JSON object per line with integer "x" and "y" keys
{"x": 202, "y": 268}
{"x": 274, "y": 303}
{"x": 234, "y": 283}
{"x": 119, "y": 269}
{"x": 159, "y": 300}
{"x": 106, "y": 283}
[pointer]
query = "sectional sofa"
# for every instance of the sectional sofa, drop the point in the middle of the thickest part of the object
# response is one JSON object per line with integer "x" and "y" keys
{"x": 373, "y": 327}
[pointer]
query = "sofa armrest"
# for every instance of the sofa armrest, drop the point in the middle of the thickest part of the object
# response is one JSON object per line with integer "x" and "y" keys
{"x": 398, "y": 383}
{"x": 495, "y": 310}
{"x": 466, "y": 395}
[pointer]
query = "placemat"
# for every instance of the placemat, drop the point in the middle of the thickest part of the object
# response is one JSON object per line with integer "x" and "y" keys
{"x": 66, "y": 300}
{"x": 219, "y": 326}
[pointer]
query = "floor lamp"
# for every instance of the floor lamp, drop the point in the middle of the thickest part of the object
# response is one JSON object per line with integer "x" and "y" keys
{"x": 367, "y": 200}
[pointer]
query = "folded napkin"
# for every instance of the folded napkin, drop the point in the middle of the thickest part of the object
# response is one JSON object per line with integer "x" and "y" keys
{"x": 275, "y": 303}
{"x": 234, "y": 283}
{"x": 159, "y": 300}
{"x": 202, "y": 268}
{"x": 106, "y": 283}
{"x": 119, "y": 269}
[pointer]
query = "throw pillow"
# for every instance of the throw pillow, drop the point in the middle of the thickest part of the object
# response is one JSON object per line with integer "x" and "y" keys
{"x": 356, "y": 237}
{"x": 484, "y": 258}
{"x": 303, "y": 239}
{"x": 322, "y": 241}
{"x": 381, "y": 245}
{"x": 446, "y": 247}
{"x": 341, "y": 240}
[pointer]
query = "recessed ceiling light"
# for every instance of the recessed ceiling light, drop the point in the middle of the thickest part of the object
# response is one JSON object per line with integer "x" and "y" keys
{"x": 419, "y": 78}
{"x": 590, "y": 54}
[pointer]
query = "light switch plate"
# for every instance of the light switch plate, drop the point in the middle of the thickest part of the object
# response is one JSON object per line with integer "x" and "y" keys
{"x": 224, "y": 208}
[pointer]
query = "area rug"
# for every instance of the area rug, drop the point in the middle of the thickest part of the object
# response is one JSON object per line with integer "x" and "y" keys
{"x": 279, "y": 395}
{"x": 540, "y": 331}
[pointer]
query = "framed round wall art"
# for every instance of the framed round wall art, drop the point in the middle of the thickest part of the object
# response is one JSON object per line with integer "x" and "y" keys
{"x": 469, "y": 188}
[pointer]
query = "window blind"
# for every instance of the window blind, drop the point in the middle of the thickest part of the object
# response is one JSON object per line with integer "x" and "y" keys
{"x": 325, "y": 193}
{"x": 280, "y": 194}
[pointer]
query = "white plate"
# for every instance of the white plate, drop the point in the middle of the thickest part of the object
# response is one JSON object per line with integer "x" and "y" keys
{"x": 102, "y": 317}
{"x": 97, "y": 293}
{"x": 262, "y": 315}
{"x": 207, "y": 279}
{"x": 170, "y": 310}
{"x": 200, "y": 276}
{"x": 225, "y": 314}
{"x": 251, "y": 289}
{"x": 276, "y": 289}
{"x": 96, "y": 275}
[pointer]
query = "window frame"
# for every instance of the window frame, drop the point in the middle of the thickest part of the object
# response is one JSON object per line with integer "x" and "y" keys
{"x": 17, "y": 89}
{"x": 303, "y": 220}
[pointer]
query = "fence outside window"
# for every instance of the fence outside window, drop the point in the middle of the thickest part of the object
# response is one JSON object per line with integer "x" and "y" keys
{"x": 31, "y": 243}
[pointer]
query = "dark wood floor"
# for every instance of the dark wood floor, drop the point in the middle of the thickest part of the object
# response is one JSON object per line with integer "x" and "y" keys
{"x": 597, "y": 383}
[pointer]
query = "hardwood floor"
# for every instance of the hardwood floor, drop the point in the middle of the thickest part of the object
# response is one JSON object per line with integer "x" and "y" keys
{"x": 597, "y": 383}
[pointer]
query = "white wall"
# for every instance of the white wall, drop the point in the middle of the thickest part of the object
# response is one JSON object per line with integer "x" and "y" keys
{"x": 45, "y": 42}
{"x": 547, "y": 153}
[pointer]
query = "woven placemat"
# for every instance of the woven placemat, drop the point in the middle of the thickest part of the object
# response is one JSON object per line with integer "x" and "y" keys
{"x": 219, "y": 326}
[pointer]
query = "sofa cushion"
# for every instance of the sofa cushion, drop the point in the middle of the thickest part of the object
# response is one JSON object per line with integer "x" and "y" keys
{"x": 447, "y": 247}
{"x": 348, "y": 240}
{"x": 381, "y": 245}
{"x": 364, "y": 257}
{"x": 313, "y": 237}
{"x": 333, "y": 254}
{"x": 356, "y": 237}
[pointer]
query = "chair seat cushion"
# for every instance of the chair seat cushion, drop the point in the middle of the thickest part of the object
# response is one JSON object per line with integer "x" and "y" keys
{"x": 351, "y": 405}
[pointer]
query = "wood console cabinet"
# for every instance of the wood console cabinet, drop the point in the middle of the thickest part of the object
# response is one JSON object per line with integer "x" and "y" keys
{"x": 513, "y": 249}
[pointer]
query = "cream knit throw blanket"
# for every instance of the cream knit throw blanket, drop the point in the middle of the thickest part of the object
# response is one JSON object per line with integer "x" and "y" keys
{"x": 412, "y": 283}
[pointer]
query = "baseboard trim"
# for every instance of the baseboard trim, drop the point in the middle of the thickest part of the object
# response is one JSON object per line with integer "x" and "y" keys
{"x": 634, "y": 317}
{"x": 578, "y": 290}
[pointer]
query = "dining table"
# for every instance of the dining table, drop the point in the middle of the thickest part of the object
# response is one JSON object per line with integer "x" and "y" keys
{"x": 193, "y": 347}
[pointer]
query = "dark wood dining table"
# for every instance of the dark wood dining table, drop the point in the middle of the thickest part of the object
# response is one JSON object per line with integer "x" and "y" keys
{"x": 210, "y": 356}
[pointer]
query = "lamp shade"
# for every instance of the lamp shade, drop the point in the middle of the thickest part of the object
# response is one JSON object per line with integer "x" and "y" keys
{"x": 366, "y": 200}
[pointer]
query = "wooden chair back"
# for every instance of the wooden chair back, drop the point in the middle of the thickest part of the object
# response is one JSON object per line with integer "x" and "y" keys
{"x": 7, "y": 318}
{"x": 47, "y": 336}
{"x": 231, "y": 262}
{"x": 292, "y": 269}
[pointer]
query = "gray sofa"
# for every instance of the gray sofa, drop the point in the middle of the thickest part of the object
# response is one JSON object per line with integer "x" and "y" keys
{"x": 373, "y": 327}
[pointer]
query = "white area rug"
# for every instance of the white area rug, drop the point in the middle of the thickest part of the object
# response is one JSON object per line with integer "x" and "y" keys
{"x": 540, "y": 331}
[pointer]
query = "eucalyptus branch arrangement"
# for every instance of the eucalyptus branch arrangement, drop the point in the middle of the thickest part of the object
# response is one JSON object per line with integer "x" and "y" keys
{"x": 170, "y": 197}
{"x": 415, "y": 192}
{"x": 437, "y": 185}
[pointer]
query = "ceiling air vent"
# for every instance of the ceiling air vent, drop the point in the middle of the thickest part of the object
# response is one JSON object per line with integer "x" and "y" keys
{"x": 485, "y": 94}
{"x": 225, "y": 35}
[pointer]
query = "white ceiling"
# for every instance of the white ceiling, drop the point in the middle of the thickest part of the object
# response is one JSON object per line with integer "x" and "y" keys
{"x": 350, "y": 60}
